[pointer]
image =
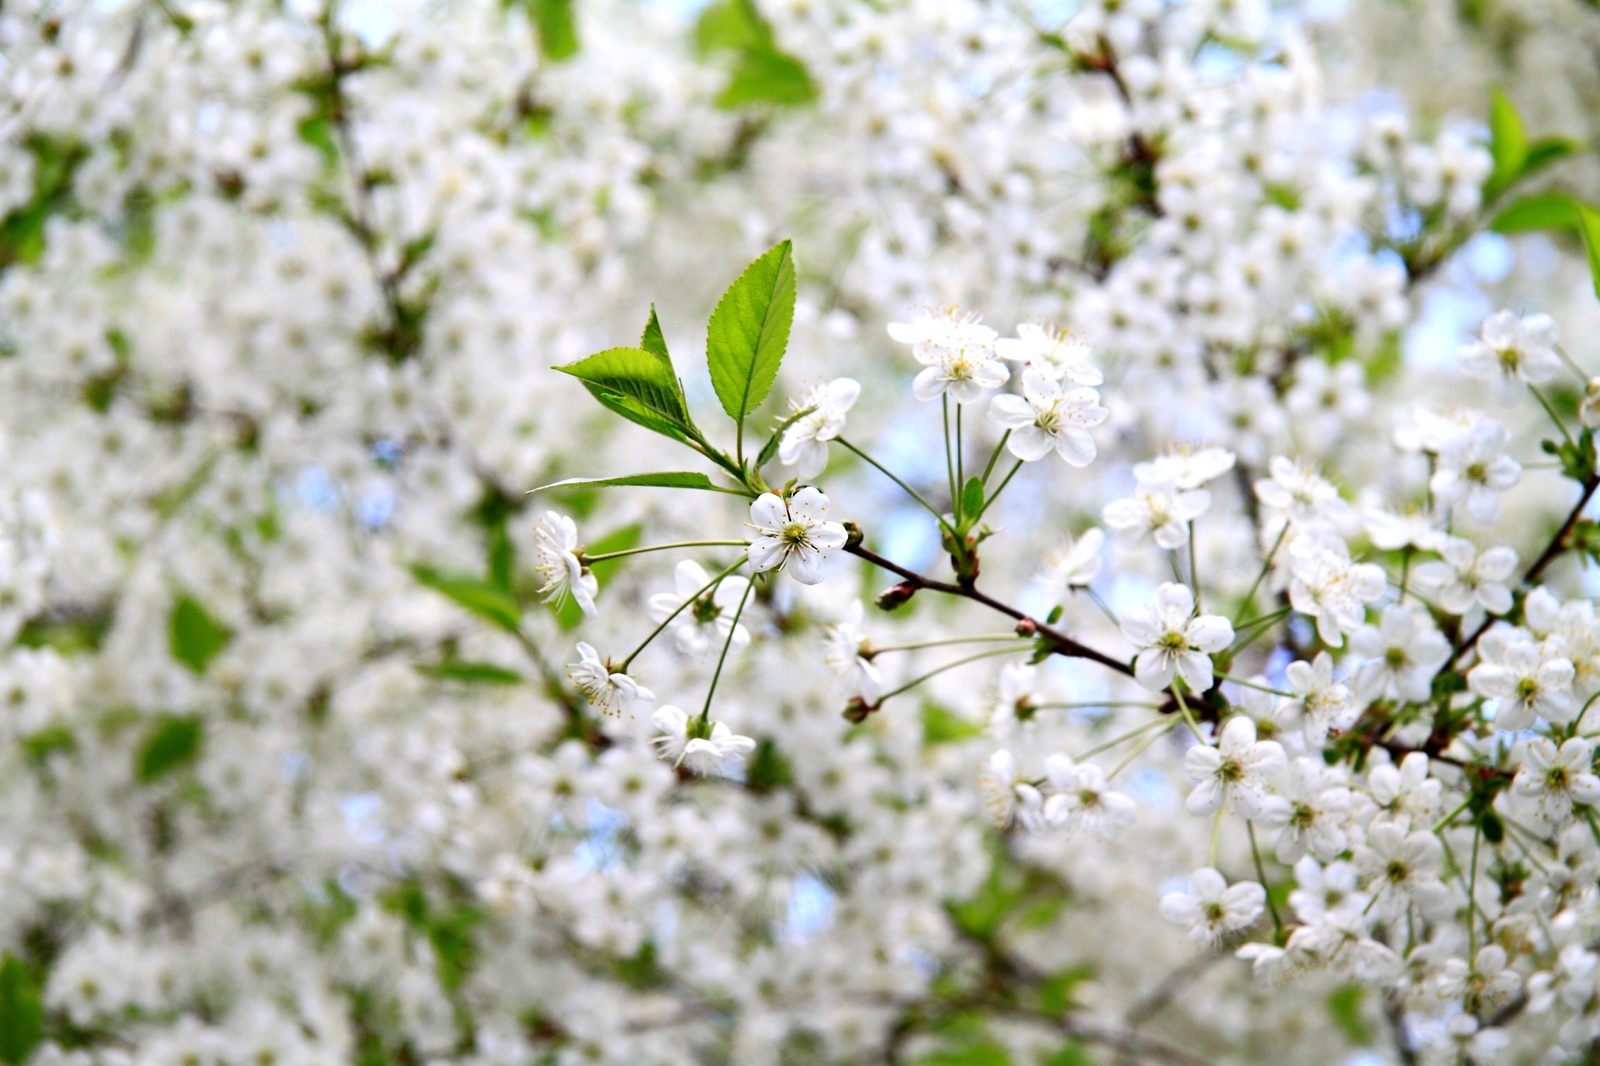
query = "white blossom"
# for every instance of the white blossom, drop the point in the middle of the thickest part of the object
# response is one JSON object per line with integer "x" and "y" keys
{"x": 1045, "y": 418}
{"x": 1172, "y": 639}
{"x": 805, "y": 442}
{"x": 794, "y": 532}
{"x": 1212, "y": 908}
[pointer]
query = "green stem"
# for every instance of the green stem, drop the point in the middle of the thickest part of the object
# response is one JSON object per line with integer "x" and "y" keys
{"x": 1443, "y": 823}
{"x": 1261, "y": 872}
{"x": 1551, "y": 411}
{"x": 1159, "y": 723}
{"x": 1188, "y": 718}
{"x": 1140, "y": 747}
{"x": 915, "y": 645}
{"x": 656, "y": 632}
{"x": 1264, "y": 622}
{"x": 998, "y": 448}
{"x": 1194, "y": 571}
{"x": 1216, "y": 838}
{"x": 1472, "y": 898}
{"x": 1258, "y": 688}
{"x": 961, "y": 467}
{"x": 914, "y": 682}
{"x": 950, "y": 464}
{"x": 705, "y": 712}
{"x": 990, "y": 501}
{"x": 913, "y": 493}
{"x": 1266, "y": 565}
{"x": 1068, "y": 705}
{"x": 1105, "y": 608}
{"x": 586, "y": 558}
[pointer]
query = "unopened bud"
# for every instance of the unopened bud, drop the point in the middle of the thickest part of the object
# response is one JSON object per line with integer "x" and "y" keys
{"x": 852, "y": 536}
{"x": 1589, "y": 409}
{"x": 1027, "y": 627}
{"x": 856, "y": 711}
{"x": 896, "y": 595}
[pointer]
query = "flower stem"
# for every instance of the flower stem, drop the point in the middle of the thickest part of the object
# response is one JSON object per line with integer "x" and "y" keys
{"x": 656, "y": 632}
{"x": 1258, "y": 688}
{"x": 586, "y": 558}
{"x": 1188, "y": 718}
{"x": 879, "y": 649}
{"x": 914, "y": 682}
{"x": 913, "y": 493}
{"x": 1551, "y": 411}
{"x": 1160, "y": 723}
{"x": 1442, "y": 823}
{"x": 1266, "y": 565}
{"x": 998, "y": 448}
{"x": 705, "y": 712}
{"x": 996, "y": 495}
{"x": 1140, "y": 747}
{"x": 1104, "y": 607}
{"x": 949, "y": 462}
{"x": 1261, "y": 872}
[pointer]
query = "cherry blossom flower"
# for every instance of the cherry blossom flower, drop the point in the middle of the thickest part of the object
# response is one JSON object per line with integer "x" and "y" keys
{"x": 697, "y": 745}
{"x": 1172, "y": 640}
{"x": 1055, "y": 353}
{"x": 708, "y": 620}
{"x": 1324, "y": 703}
{"x": 609, "y": 692}
{"x": 1009, "y": 798}
{"x": 957, "y": 353}
{"x": 1466, "y": 576}
{"x": 805, "y": 442}
{"x": 1212, "y": 908}
{"x": 843, "y": 645}
{"x": 1156, "y": 511}
{"x": 1240, "y": 771}
{"x": 1528, "y": 681}
{"x": 1553, "y": 779}
{"x": 1511, "y": 352}
{"x": 1045, "y": 418}
{"x": 794, "y": 532}
{"x": 1326, "y": 585}
{"x": 1473, "y": 469}
{"x": 1403, "y": 651}
{"x": 1080, "y": 798}
{"x": 1404, "y": 796}
{"x": 556, "y": 562}
{"x": 1400, "y": 870}
{"x": 1072, "y": 564}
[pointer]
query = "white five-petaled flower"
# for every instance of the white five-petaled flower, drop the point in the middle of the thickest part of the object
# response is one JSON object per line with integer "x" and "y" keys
{"x": 1398, "y": 869}
{"x": 805, "y": 442}
{"x": 957, "y": 354}
{"x": 1473, "y": 469}
{"x": 1324, "y": 703}
{"x": 555, "y": 560}
{"x": 843, "y": 644}
{"x": 1212, "y": 908}
{"x": 1326, "y": 585}
{"x": 1318, "y": 807}
{"x": 699, "y": 746}
{"x": 1403, "y": 652}
{"x": 708, "y": 619}
{"x": 1511, "y": 351}
{"x": 608, "y": 692}
{"x": 1299, "y": 493}
{"x": 1467, "y": 575}
{"x": 1172, "y": 639}
{"x": 1530, "y": 680}
{"x": 1553, "y": 779}
{"x": 1157, "y": 511}
{"x": 1187, "y": 468}
{"x": 1008, "y": 798}
{"x": 1072, "y": 565}
{"x": 793, "y": 532}
{"x": 1239, "y": 771}
{"x": 1081, "y": 799}
{"x": 1046, "y": 417}
{"x": 1014, "y": 699}
{"x": 1055, "y": 353}
{"x": 1405, "y": 795}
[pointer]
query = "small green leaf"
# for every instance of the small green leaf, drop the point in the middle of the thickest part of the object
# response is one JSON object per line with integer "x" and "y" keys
{"x": 762, "y": 76}
{"x": 972, "y": 498}
{"x": 770, "y": 449}
{"x": 481, "y": 673}
{"x": 21, "y": 1012}
{"x": 558, "y": 28}
{"x": 1547, "y": 150}
{"x": 653, "y": 340}
{"x": 38, "y": 747}
{"x": 1494, "y": 830}
{"x": 749, "y": 331}
{"x": 1073, "y": 1054}
{"x": 482, "y": 598}
{"x": 1589, "y": 226}
{"x": 1508, "y": 143}
{"x": 941, "y": 725}
{"x": 194, "y": 636}
{"x": 681, "y": 479}
{"x": 638, "y": 385}
{"x": 767, "y": 769}
{"x": 1345, "y": 1005}
{"x": 986, "y": 1053}
{"x": 1056, "y": 991}
{"x": 174, "y": 742}
{"x": 1544, "y": 210}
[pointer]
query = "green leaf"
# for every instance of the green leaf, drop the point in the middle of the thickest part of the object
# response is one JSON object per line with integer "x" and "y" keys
{"x": 194, "y": 636}
{"x": 639, "y": 386}
{"x": 1345, "y": 1005}
{"x": 174, "y": 742}
{"x": 653, "y": 340}
{"x": 767, "y": 77}
{"x": 770, "y": 449}
{"x": 1056, "y": 991}
{"x": 482, "y": 598}
{"x": 38, "y": 747}
{"x": 972, "y": 498}
{"x": 767, "y": 769}
{"x": 1508, "y": 143}
{"x": 749, "y": 331}
{"x": 1544, "y": 210}
{"x": 1494, "y": 830}
{"x": 482, "y": 673}
{"x": 1589, "y": 226}
{"x": 558, "y": 29}
{"x": 986, "y": 1053}
{"x": 940, "y": 725}
{"x": 680, "y": 479}
{"x": 1073, "y": 1054}
{"x": 1547, "y": 150}
{"x": 21, "y": 1012}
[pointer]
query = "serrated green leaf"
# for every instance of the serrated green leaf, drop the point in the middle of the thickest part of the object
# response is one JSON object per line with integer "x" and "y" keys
{"x": 639, "y": 386}
{"x": 1589, "y": 226}
{"x": 749, "y": 331}
{"x": 940, "y": 725}
{"x": 194, "y": 636}
{"x": 557, "y": 26}
{"x": 174, "y": 742}
{"x": 652, "y": 340}
{"x": 482, "y": 598}
{"x": 21, "y": 1012}
{"x": 678, "y": 479}
{"x": 480, "y": 673}
{"x": 731, "y": 24}
{"x": 1545, "y": 210}
{"x": 1508, "y": 143}
{"x": 770, "y": 449}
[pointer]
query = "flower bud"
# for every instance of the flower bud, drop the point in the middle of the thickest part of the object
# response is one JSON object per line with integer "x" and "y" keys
{"x": 1589, "y": 409}
{"x": 896, "y": 595}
